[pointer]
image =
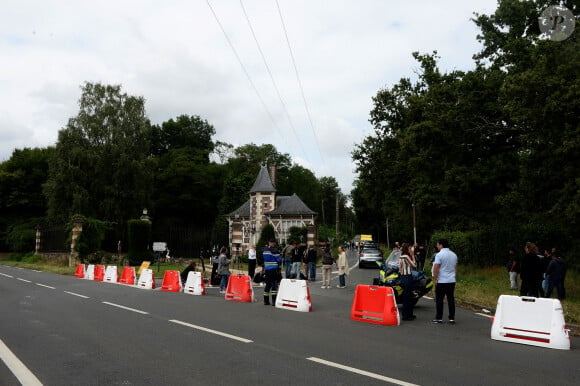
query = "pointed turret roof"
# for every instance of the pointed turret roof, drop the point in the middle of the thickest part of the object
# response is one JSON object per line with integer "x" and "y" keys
{"x": 263, "y": 183}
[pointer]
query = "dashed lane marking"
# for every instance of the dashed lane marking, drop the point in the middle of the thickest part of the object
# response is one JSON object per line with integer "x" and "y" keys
{"x": 75, "y": 294}
{"x": 127, "y": 308}
{"x": 360, "y": 372}
{"x": 24, "y": 280}
{"x": 244, "y": 340}
{"x": 3, "y": 274}
{"x": 44, "y": 285}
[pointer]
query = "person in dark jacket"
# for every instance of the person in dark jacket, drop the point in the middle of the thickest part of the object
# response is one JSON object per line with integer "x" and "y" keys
{"x": 186, "y": 271}
{"x": 327, "y": 261}
{"x": 530, "y": 271}
{"x": 555, "y": 274}
{"x": 272, "y": 262}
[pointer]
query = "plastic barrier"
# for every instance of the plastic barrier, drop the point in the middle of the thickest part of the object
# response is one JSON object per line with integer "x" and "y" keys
{"x": 240, "y": 288}
{"x": 111, "y": 274}
{"x": 171, "y": 281}
{"x": 375, "y": 304}
{"x": 294, "y": 295}
{"x": 128, "y": 276}
{"x": 533, "y": 321}
{"x": 146, "y": 279}
{"x": 99, "y": 272}
{"x": 194, "y": 284}
{"x": 80, "y": 272}
{"x": 90, "y": 272}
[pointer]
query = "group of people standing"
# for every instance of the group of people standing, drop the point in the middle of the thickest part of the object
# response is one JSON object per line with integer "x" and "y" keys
{"x": 539, "y": 272}
{"x": 444, "y": 277}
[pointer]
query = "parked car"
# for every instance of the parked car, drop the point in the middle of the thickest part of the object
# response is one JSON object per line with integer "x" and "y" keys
{"x": 369, "y": 256}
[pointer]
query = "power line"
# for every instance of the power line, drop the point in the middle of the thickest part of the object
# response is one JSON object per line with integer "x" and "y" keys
{"x": 273, "y": 81}
{"x": 245, "y": 71}
{"x": 300, "y": 83}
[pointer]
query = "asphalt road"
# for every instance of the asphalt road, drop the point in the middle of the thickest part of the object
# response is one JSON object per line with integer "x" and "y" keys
{"x": 69, "y": 331}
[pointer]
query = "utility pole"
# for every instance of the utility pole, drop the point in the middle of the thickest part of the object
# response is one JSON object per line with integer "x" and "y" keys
{"x": 337, "y": 218}
{"x": 414, "y": 225}
{"x": 388, "y": 244}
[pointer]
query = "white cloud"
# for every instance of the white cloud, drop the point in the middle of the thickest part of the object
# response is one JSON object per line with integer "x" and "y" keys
{"x": 175, "y": 55}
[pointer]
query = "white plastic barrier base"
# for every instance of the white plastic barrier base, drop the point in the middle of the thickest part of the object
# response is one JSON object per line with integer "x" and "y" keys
{"x": 194, "y": 284}
{"x": 146, "y": 279}
{"x": 111, "y": 274}
{"x": 294, "y": 295}
{"x": 90, "y": 272}
{"x": 532, "y": 321}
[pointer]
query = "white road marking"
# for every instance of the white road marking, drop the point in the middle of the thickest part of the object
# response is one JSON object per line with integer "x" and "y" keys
{"x": 428, "y": 297}
{"x": 3, "y": 274}
{"x": 361, "y": 372}
{"x": 75, "y": 294}
{"x": 24, "y": 280}
{"x": 18, "y": 368}
{"x": 36, "y": 270}
{"x": 126, "y": 308}
{"x": 44, "y": 285}
{"x": 212, "y": 331}
{"x": 486, "y": 315}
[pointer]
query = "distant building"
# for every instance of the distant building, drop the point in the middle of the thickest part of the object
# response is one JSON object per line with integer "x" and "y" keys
{"x": 266, "y": 207}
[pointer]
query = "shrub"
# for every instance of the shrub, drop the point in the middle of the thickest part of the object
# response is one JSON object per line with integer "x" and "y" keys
{"x": 266, "y": 235}
{"x": 21, "y": 236}
{"x": 32, "y": 259}
{"x": 91, "y": 238}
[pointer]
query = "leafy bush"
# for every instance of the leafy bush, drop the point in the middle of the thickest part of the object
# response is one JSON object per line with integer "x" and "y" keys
{"x": 139, "y": 241}
{"x": 32, "y": 259}
{"x": 266, "y": 235}
{"x": 91, "y": 238}
{"x": 488, "y": 246}
{"x": 21, "y": 237}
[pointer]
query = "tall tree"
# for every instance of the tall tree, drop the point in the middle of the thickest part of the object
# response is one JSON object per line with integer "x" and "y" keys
{"x": 101, "y": 168}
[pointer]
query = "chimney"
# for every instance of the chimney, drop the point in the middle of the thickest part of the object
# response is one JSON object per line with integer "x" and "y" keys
{"x": 272, "y": 170}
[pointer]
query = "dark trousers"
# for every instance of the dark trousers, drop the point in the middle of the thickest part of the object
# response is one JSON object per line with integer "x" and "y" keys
{"x": 529, "y": 287}
{"x": 251, "y": 268}
{"x": 271, "y": 279}
{"x": 443, "y": 290}
{"x": 408, "y": 303}
{"x": 559, "y": 285}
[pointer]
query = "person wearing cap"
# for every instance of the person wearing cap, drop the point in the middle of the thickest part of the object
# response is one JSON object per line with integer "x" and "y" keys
{"x": 272, "y": 262}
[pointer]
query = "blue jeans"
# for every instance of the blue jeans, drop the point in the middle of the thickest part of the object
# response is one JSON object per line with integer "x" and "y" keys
{"x": 559, "y": 285}
{"x": 224, "y": 282}
{"x": 312, "y": 270}
{"x": 341, "y": 280}
{"x": 296, "y": 269}
{"x": 288, "y": 266}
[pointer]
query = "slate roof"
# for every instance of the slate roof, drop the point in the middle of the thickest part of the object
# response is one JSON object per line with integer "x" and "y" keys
{"x": 242, "y": 211}
{"x": 287, "y": 205}
{"x": 263, "y": 183}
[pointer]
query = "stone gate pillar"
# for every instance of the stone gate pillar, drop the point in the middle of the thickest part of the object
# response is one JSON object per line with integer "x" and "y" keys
{"x": 76, "y": 232}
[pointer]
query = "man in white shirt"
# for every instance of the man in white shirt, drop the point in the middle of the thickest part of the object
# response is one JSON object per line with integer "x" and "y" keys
{"x": 444, "y": 273}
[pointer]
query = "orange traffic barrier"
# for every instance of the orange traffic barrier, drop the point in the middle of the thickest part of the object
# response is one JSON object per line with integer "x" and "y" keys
{"x": 240, "y": 288}
{"x": 171, "y": 282}
{"x": 80, "y": 272}
{"x": 128, "y": 276}
{"x": 99, "y": 272}
{"x": 375, "y": 304}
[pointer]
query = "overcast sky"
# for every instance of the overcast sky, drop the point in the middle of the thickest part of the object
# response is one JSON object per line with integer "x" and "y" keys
{"x": 175, "y": 55}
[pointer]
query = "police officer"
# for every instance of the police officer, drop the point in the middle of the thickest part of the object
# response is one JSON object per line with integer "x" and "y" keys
{"x": 272, "y": 263}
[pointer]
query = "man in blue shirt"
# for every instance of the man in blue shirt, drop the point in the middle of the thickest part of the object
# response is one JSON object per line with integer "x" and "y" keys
{"x": 272, "y": 262}
{"x": 444, "y": 273}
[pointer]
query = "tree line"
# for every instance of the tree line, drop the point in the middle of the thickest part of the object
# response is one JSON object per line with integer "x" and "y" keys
{"x": 110, "y": 162}
{"x": 494, "y": 150}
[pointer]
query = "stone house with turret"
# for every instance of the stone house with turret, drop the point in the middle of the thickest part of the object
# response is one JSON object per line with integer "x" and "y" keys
{"x": 263, "y": 207}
